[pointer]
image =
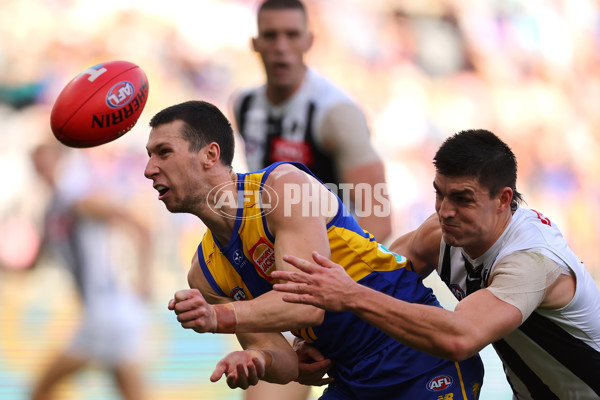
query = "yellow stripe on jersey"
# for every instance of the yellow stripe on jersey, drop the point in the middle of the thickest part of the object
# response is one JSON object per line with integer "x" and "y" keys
{"x": 359, "y": 255}
{"x": 462, "y": 383}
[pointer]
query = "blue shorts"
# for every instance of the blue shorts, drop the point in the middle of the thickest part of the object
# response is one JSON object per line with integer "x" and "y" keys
{"x": 449, "y": 381}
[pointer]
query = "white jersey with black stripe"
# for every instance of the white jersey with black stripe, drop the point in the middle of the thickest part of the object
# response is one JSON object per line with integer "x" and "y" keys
{"x": 555, "y": 354}
{"x": 314, "y": 88}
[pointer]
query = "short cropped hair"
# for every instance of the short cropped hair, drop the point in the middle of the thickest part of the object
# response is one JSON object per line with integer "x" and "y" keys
{"x": 282, "y": 5}
{"x": 204, "y": 123}
{"x": 480, "y": 154}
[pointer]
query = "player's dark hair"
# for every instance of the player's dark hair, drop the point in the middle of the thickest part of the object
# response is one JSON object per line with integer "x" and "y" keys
{"x": 480, "y": 154}
{"x": 204, "y": 123}
{"x": 282, "y": 5}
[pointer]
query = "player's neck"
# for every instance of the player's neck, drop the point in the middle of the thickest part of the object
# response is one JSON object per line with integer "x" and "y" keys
{"x": 220, "y": 212}
{"x": 279, "y": 94}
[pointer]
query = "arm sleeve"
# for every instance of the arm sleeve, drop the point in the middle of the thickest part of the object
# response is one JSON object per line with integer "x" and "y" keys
{"x": 344, "y": 131}
{"x": 521, "y": 279}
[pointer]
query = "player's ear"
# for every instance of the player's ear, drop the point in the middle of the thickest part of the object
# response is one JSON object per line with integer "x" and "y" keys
{"x": 212, "y": 154}
{"x": 504, "y": 198}
{"x": 310, "y": 38}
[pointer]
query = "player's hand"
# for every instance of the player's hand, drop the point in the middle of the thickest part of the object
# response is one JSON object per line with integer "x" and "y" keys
{"x": 193, "y": 312}
{"x": 325, "y": 284}
{"x": 242, "y": 368}
{"x": 312, "y": 365}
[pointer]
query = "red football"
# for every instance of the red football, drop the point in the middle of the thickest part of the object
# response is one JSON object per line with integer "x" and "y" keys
{"x": 100, "y": 104}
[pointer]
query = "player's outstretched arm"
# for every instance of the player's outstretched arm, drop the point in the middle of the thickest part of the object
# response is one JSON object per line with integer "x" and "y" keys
{"x": 325, "y": 285}
{"x": 477, "y": 321}
{"x": 204, "y": 312}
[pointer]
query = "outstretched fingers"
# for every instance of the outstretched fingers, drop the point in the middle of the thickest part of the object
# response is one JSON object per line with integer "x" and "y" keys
{"x": 240, "y": 369}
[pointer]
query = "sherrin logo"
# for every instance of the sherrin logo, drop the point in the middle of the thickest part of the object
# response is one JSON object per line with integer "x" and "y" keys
{"x": 439, "y": 383}
{"x": 120, "y": 94}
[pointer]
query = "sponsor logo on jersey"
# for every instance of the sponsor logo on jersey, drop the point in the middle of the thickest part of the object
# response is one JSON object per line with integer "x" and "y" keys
{"x": 457, "y": 291}
{"x": 238, "y": 293}
{"x": 439, "y": 383}
{"x": 286, "y": 150}
{"x": 263, "y": 257}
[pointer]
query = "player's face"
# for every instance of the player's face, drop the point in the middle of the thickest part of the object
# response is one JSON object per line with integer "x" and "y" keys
{"x": 468, "y": 216}
{"x": 173, "y": 169}
{"x": 282, "y": 40}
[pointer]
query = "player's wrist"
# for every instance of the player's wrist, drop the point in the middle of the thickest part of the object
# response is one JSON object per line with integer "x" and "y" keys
{"x": 226, "y": 318}
{"x": 267, "y": 355}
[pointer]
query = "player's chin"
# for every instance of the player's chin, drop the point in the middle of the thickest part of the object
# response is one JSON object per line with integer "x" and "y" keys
{"x": 170, "y": 205}
{"x": 175, "y": 208}
{"x": 451, "y": 238}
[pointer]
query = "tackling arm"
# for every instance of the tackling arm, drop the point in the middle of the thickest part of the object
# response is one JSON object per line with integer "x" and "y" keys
{"x": 477, "y": 321}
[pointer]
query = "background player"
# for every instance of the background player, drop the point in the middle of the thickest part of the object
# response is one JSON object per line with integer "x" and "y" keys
{"x": 300, "y": 116}
{"x": 77, "y": 230}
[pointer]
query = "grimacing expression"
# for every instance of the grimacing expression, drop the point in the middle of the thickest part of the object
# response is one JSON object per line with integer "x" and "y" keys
{"x": 282, "y": 40}
{"x": 469, "y": 218}
{"x": 173, "y": 169}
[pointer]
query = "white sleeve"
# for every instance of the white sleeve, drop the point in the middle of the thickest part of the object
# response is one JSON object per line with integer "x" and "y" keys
{"x": 521, "y": 279}
{"x": 344, "y": 132}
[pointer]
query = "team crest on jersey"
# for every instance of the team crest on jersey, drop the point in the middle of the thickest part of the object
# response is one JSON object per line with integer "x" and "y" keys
{"x": 238, "y": 293}
{"x": 238, "y": 256}
{"x": 263, "y": 257}
{"x": 120, "y": 94}
{"x": 441, "y": 382}
{"x": 457, "y": 291}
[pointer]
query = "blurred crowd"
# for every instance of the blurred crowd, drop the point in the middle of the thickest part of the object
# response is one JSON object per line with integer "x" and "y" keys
{"x": 422, "y": 69}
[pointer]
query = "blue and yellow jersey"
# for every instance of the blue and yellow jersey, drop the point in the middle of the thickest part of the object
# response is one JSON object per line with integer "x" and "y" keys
{"x": 241, "y": 270}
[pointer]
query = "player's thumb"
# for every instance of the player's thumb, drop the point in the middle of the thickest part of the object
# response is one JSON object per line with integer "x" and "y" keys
{"x": 182, "y": 295}
{"x": 171, "y": 304}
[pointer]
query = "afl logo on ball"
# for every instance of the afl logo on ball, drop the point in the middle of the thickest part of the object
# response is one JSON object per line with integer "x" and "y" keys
{"x": 120, "y": 94}
{"x": 439, "y": 383}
